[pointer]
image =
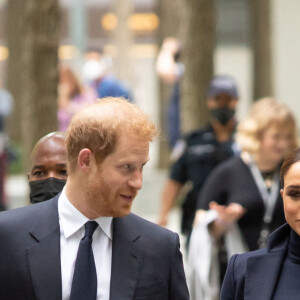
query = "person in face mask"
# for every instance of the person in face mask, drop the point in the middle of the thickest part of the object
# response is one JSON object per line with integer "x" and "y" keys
{"x": 48, "y": 173}
{"x": 221, "y": 103}
{"x": 199, "y": 152}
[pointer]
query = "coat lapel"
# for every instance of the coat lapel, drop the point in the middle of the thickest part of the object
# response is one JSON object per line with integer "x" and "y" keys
{"x": 44, "y": 255}
{"x": 262, "y": 272}
{"x": 127, "y": 259}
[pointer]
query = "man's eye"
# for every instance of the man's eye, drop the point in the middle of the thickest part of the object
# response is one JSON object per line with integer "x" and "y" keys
{"x": 128, "y": 167}
{"x": 63, "y": 172}
{"x": 38, "y": 173}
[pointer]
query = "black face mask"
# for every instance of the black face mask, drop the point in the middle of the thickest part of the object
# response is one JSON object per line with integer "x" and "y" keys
{"x": 42, "y": 190}
{"x": 223, "y": 114}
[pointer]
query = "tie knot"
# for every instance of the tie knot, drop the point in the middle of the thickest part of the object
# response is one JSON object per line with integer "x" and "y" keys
{"x": 90, "y": 227}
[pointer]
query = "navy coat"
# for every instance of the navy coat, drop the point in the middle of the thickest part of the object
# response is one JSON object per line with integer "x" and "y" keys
{"x": 254, "y": 275}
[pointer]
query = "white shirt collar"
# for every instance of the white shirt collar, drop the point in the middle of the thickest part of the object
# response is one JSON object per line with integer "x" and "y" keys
{"x": 72, "y": 219}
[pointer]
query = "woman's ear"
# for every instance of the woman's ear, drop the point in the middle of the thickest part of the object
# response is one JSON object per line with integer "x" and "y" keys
{"x": 281, "y": 193}
{"x": 85, "y": 159}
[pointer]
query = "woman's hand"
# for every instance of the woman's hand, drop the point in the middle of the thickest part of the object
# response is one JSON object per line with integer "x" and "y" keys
{"x": 227, "y": 215}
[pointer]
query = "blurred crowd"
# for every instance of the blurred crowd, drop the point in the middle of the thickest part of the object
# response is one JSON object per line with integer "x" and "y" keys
{"x": 97, "y": 81}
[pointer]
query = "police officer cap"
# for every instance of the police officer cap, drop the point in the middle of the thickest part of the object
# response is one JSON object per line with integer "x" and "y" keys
{"x": 223, "y": 84}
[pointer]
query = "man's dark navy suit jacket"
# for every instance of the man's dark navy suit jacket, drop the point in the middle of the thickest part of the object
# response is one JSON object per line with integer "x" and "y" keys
{"x": 146, "y": 261}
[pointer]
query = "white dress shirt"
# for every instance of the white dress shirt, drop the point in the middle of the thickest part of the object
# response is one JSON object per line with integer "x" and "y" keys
{"x": 71, "y": 223}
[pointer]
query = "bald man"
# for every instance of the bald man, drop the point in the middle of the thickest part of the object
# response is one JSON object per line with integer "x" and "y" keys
{"x": 48, "y": 173}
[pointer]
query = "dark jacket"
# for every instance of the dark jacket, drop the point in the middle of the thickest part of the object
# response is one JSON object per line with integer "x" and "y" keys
{"x": 253, "y": 275}
{"x": 146, "y": 261}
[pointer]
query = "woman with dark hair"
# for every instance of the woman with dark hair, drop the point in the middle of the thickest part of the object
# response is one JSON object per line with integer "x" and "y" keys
{"x": 272, "y": 272}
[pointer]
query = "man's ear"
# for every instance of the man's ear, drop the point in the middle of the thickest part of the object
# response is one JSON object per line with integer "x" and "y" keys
{"x": 85, "y": 160}
{"x": 281, "y": 193}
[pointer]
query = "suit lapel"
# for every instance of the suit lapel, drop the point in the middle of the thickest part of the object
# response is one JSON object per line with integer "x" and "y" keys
{"x": 127, "y": 259}
{"x": 44, "y": 255}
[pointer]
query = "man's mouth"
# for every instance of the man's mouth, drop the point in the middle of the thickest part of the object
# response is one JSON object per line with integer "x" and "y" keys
{"x": 128, "y": 197}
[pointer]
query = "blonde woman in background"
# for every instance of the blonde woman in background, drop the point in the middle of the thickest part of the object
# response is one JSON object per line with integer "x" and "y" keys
{"x": 245, "y": 190}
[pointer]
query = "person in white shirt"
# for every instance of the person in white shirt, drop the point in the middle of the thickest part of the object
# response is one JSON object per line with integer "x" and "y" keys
{"x": 85, "y": 243}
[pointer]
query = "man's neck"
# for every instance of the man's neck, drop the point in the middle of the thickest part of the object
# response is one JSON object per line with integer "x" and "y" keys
{"x": 78, "y": 199}
{"x": 223, "y": 132}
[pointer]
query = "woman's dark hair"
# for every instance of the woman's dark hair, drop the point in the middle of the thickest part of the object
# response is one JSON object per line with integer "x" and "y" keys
{"x": 291, "y": 159}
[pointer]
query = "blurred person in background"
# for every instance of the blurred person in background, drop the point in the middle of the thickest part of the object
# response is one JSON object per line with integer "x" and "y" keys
{"x": 72, "y": 96}
{"x": 199, "y": 152}
{"x": 6, "y": 106}
{"x": 272, "y": 272}
{"x": 245, "y": 190}
{"x": 48, "y": 173}
{"x": 171, "y": 71}
{"x": 96, "y": 71}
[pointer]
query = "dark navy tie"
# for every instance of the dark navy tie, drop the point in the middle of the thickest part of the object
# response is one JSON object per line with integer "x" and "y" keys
{"x": 84, "y": 284}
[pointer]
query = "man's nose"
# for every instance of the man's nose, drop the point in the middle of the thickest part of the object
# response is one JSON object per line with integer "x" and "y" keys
{"x": 52, "y": 174}
{"x": 136, "y": 180}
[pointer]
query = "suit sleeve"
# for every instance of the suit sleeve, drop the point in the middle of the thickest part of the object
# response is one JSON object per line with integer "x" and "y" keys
{"x": 228, "y": 289}
{"x": 177, "y": 285}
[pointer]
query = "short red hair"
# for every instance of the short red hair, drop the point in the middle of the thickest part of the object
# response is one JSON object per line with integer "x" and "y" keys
{"x": 99, "y": 125}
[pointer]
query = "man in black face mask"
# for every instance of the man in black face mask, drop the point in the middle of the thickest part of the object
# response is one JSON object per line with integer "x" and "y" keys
{"x": 48, "y": 173}
{"x": 198, "y": 153}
